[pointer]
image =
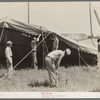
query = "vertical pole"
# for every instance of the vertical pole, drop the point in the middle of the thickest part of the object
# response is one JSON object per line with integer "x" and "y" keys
{"x": 43, "y": 52}
{"x": 1, "y": 34}
{"x": 91, "y": 32}
{"x": 28, "y": 13}
{"x": 97, "y": 17}
{"x": 90, "y": 19}
{"x": 79, "y": 55}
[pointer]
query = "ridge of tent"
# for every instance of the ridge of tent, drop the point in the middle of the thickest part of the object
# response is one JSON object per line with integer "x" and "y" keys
{"x": 35, "y": 29}
{"x": 75, "y": 44}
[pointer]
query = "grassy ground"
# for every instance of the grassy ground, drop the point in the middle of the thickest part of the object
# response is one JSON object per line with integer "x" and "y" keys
{"x": 72, "y": 79}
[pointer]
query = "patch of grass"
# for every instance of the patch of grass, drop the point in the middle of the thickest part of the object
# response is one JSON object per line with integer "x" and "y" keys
{"x": 71, "y": 79}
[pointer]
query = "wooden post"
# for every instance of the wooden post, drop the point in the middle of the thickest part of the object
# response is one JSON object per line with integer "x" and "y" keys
{"x": 2, "y": 34}
{"x": 90, "y": 19}
{"x": 28, "y": 13}
{"x": 79, "y": 55}
{"x": 43, "y": 51}
{"x": 97, "y": 17}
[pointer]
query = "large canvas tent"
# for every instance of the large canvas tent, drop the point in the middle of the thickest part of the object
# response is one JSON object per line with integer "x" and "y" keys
{"x": 21, "y": 35}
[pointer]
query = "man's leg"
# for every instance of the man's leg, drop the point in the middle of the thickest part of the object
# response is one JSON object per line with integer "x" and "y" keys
{"x": 52, "y": 75}
{"x": 9, "y": 69}
{"x": 56, "y": 78}
{"x": 35, "y": 61}
{"x": 32, "y": 65}
{"x": 49, "y": 68}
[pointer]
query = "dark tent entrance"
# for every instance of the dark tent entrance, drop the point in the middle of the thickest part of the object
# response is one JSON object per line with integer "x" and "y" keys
{"x": 22, "y": 46}
{"x": 77, "y": 57}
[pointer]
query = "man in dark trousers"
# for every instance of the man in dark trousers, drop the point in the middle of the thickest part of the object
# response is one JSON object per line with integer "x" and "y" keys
{"x": 55, "y": 43}
{"x": 52, "y": 61}
{"x": 34, "y": 52}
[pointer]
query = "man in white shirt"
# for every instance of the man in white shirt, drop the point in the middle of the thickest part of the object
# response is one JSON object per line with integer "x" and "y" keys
{"x": 9, "y": 61}
{"x": 52, "y": 61}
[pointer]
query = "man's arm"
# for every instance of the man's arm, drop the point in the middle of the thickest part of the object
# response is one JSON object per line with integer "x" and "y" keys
{"x": 59, "y": 60}
{"x": 38, "y": 37}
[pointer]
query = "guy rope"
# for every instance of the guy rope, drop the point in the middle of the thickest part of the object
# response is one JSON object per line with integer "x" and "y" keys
{"x": 24, "y": 58}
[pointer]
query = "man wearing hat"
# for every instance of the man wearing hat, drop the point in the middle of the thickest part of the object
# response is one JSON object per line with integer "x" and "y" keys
{"x": 98, "y": 54}
{"x": 34, "y": 52}
{"x": 52, "y": 61}
{"x": 9, "y": 61}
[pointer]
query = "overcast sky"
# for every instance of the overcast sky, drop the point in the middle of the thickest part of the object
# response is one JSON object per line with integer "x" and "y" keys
{"x": 60, "y": 17}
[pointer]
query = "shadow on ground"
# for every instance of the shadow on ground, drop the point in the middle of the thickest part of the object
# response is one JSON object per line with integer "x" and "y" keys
{"x": 39, "y": 84}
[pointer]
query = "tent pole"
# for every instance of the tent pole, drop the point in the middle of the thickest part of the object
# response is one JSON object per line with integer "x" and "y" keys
{"x": 97, "y": 17}
{"x": 79, "y": 55}
{"x": 84, "y": 61}
{"x": 46, "y": 46}
{"x": 43, "y": 51}
{"x": 91, "y": 30}
{"x": 90, "y": 19}
{"x": 28, "y": 14}
{"x": 1, "y": 34}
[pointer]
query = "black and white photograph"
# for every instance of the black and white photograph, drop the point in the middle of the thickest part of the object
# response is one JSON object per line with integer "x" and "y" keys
{"x": 50, "y": 49}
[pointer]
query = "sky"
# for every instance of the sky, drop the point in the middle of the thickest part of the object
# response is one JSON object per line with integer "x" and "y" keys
{"x": 59, "y": 17}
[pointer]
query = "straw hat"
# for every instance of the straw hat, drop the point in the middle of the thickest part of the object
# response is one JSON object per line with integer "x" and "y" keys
{"x": 9, "y": 42}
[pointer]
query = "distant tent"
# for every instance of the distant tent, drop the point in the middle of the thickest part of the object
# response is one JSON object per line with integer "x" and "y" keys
{"x": 76, "y": 36}
{"x": 86, "y": 44}
{"x": 21, "y": 35}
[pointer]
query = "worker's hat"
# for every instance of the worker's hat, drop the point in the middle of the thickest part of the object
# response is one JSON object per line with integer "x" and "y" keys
{"x": 9, "y": 42}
